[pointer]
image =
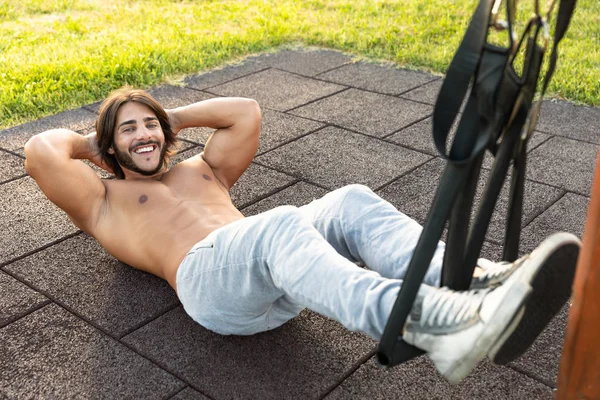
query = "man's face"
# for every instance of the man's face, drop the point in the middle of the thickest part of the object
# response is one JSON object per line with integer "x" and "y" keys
{"x": 139, "y": 142}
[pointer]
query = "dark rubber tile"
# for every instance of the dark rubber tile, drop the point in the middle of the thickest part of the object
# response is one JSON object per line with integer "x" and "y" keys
{"x": 28, "y": 220}
{"x": 224, "y": 74}
{"x": 427, "y": 93}
{"x": 189, "y": 394}
{"x": 307, "y": 62}
{"x": 566, "y": 119}
{"x": 196, "y": 135}
{"x": 414, "y": 193}
{"x": 79, "y": 120}
{"x": 278, "y": 128}
{"x": 16, "y": 299}
{"x": 170, "y": 96}
{"x": 52, "y": 354}
{"x": 371, "y": 113}
{"x": 334, "y": 157}
{"x": 256, "y": 183}
{"x": 418, "y": 379}
{"x": 565, "y": 163}
{"x": 380, "y": 78}
{"x": 11, "y": 166}
{"x": 298, "y": 360}
{"x": 277, "y": 90}
{"x": 296, "y": 195}
{"x": 566, "y": 215}
{"x": 79, "y": 274}
{"x": 419, "y": 136}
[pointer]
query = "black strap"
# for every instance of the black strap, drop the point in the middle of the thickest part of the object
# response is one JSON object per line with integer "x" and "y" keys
{"x": 499, "y": 105}
{"x": 460, "y": 73}
{"x": 392, "y": 350}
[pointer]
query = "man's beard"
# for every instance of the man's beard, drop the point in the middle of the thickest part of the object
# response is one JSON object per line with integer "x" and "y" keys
{"x": 126, "y": 161}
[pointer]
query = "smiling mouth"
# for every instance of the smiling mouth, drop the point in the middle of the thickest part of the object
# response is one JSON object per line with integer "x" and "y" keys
{"x": 146, "y": 149}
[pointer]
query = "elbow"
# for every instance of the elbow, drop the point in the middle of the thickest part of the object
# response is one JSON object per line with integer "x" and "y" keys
{"x": 30, "y": 145}
{"x": 253, "y": 108}
{"x": 254, "y": 111}
{"x": 30, "y": 150}
{"x": 36, "y": 150}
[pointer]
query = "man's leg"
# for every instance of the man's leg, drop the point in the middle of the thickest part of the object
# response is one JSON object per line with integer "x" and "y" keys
{"x": 259, "y": 272}
{"x": 363, "y": 227}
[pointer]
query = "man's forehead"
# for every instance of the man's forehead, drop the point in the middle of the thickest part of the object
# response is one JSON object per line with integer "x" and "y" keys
{"x": 133, "y": 111}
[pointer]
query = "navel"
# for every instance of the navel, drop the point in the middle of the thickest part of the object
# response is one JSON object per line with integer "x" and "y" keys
{"x": 143, "y": 198}
{"x": 208, "y": 178}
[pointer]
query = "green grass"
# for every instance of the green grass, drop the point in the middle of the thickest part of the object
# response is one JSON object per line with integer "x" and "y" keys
{"x": 61, "y": 54}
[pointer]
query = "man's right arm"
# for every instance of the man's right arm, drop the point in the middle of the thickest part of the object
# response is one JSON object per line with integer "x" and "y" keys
{"x": 53, "y": 159}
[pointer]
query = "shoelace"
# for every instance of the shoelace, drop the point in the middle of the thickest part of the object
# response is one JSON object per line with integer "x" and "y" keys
{"x": 446, "y": 307}
{"x": 492, "y": 269}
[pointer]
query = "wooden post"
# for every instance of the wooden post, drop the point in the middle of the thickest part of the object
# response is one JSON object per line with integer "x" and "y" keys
{"x": 579, "y": 375}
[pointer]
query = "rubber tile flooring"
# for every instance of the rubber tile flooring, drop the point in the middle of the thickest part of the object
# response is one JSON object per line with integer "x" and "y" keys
{"x": 77, "y": 323}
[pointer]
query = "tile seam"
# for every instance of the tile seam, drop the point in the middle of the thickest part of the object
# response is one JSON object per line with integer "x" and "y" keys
{"x": 15, "y": 178}
{"x": 532, "y": 376}
{"x": 344, "y": 89}
{"x": 353, "y": 368}
{"x": 37, "y": 250}
{"x": 268, "y": 194}
{"x": 206, "y": 89}
{"x": 282, "y": 144}
{"x": 410, "y": 171}
{"x": 29, "y": 311}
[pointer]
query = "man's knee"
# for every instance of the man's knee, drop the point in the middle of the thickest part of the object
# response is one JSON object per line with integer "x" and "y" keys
{"x": 357, "y": 193}
{"x": 352, "y": 190}
{"x": 357, "y": 188}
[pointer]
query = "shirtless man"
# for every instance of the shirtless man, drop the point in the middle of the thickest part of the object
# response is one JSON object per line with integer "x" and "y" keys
{"x": 237, "y": 275}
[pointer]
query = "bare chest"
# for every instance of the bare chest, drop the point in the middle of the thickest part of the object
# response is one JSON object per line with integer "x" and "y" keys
{"x": 151, "y": 226}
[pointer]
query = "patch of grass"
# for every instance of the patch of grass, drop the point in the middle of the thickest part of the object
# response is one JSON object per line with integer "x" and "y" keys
{"x": 60, "y": 54}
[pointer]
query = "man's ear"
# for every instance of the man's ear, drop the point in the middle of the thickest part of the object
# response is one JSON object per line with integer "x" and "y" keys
{"x": 110, "y": 150}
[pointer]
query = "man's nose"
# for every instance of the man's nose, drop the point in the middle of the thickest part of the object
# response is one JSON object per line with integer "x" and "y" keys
{"x": 143, "y": 133}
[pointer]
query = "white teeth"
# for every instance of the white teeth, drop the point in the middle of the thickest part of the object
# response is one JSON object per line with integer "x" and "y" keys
{"x": 144, "y": 150}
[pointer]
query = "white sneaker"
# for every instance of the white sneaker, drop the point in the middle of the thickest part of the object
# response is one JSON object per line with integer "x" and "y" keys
{"x": 550, "y": 270}
{"x": 457, "y": 329}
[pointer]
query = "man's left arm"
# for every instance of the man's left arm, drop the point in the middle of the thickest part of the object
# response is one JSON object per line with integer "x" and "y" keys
{"x": 231, "y": 148}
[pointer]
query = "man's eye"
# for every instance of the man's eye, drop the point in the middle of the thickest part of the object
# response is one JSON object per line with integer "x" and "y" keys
{"x": 152, "y": 126}
{"x": 128, "y": 130}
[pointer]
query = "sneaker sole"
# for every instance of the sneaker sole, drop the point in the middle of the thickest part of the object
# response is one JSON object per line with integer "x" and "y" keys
{"x": 507, "y": 317}
{"x": 552, "y": 281}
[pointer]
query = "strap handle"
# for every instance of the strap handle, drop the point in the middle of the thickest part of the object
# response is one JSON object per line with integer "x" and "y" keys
{"x": 461, "y": 71}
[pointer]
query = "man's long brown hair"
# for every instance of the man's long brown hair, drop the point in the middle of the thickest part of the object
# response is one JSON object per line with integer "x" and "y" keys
{"x": 107, "y": 121}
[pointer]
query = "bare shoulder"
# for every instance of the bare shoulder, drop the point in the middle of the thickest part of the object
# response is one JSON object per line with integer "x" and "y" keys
{"x": 192, "y": 173}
